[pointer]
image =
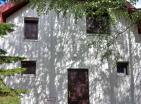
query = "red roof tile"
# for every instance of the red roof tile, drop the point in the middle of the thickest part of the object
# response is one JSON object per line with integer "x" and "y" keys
{"x": 9, "y": 8}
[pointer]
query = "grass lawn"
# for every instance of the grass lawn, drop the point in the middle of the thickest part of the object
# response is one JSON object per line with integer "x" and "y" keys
{"x": 9, "y": 100}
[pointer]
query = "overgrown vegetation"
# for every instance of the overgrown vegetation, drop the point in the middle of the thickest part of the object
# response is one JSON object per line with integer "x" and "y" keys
{"x": 8, "y": 95}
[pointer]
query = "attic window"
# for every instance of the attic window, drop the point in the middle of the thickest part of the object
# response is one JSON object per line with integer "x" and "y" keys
{"x": 31, "y": 28}
{"x": 122, "y": 67}
{"x": 30, "y": 67}
{"x": 139, "y": 27}
{"x": 98, "y": 23}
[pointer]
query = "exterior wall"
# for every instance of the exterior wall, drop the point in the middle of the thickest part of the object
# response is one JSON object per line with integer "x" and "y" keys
{"x": 62, "y": 45}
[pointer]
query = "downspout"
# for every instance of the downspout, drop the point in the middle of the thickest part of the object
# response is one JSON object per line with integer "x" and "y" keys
{"x": 131, "y": 69}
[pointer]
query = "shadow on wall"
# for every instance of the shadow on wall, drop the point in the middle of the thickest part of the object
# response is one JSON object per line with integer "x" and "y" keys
{"x": 62, "y": 45}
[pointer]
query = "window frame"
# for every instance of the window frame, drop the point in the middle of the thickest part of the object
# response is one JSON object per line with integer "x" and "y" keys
{"x": 33, "y": 20}
{"x": 92, "y": 18}
{"x": 124, "y": 65}
{"x": 27, "y": 72}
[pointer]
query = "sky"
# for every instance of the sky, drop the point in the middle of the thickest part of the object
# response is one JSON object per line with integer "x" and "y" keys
{"x": 2, "y": 1}
{"x": 138, "y": 5}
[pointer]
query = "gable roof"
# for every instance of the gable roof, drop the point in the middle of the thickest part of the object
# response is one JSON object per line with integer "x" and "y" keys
{"x": 9, "y": 8}
{"x": 130, "y": 7}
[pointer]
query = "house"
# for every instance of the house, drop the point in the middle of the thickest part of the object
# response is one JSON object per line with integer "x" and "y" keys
{"x": 61, "y": 68}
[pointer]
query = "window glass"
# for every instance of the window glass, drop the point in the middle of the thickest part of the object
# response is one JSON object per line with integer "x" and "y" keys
{"x": 30, "y": 67}
{"x": 122, "y": 67}
{"x": 31, "y": 28}
{"x": 139, "y": 27}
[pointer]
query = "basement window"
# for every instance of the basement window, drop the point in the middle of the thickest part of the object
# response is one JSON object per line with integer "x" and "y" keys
{"x": 30, "y": 67}
{"x": 98, "y": 23}
{"x": 122, "y": 67}
{"x": 31, "y": 28}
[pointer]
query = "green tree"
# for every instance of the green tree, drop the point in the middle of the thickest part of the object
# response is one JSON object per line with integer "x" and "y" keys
{"x": 8, "y": 95}
{"x": 77, "y": 7}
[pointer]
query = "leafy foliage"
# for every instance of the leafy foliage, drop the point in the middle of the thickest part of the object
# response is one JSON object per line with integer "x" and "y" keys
{"x": 5, "y": 91}
{"x": 10, "y": 59}
{"x": 76, "y": 7}
{"x": 2, "y": 52}
{"x": 5, "y": 28}
{"x": 11, "y": 71}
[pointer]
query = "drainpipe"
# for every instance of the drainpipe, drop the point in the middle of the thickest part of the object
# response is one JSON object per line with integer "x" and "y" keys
{"x": 131, "y": 68}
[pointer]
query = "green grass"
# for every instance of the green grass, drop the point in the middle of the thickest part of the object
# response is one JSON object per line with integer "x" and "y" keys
{"x": 9, "y": 100}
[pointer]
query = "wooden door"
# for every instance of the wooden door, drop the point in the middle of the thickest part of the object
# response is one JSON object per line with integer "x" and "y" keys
{"x": 78, "y": 86}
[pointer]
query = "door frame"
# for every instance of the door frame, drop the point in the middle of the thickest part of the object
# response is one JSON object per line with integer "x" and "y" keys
{"x": 77, "y": 69}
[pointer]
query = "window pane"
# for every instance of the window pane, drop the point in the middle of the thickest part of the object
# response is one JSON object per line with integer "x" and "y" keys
{"x": 139, "y": 28}
{"x": 30, "y": 67}
{"x": 122, "y": 67}
{"x": 31, "y": 28}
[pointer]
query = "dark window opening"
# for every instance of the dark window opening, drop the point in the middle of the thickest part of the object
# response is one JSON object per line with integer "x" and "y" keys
{"x": 31, "y": 28}
{"x": 98, "y": 23}
{"x": 30, "y": 67}
{"x": 122, "y": 67}
{"x": 139, "y": 27}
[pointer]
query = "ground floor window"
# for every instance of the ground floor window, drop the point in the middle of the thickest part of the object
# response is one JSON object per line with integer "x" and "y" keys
{"x": 30, "y": 67}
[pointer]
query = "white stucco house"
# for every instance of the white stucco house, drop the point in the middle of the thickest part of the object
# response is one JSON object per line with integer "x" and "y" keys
{"x": 61, "y": 68}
